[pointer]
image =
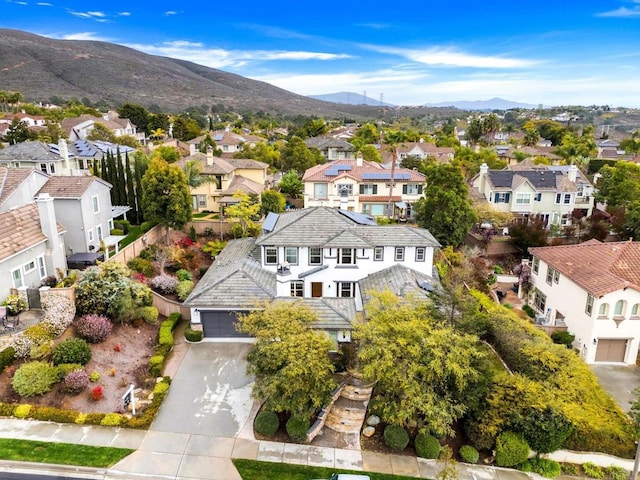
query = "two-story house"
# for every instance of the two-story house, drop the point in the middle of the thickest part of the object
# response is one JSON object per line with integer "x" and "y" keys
{"x": 327, "y": 259}
{"x": 332, "y": 148}
{"x": 78, "y": 128}
{"x": 594, "y": 289}
{"x": 551, "y": 192}
{"x": 224, "y": 177}
{"x": 31, "y": 245}
{"x": 229, "y": 142}
{"x": 83, "y": 205}
{"x": 419, "y": 150}
{"x": 363, "y": 187}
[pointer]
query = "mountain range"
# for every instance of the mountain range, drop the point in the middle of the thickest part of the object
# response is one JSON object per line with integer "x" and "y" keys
{"x": 491, "y": 104}
{"x": 350, "y": 98}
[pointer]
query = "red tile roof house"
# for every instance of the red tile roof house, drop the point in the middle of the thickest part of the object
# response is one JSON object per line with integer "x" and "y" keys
{"x": 363, "y": 187}
{"x": 594, "y": 289}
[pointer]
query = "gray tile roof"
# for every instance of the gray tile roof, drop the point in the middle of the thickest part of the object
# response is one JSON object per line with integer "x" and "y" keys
{"x": 28, "y": 152}
{"x": 328, "y": 227}
{"x": 400, "y": 280}
{"x": 333, "y": 313}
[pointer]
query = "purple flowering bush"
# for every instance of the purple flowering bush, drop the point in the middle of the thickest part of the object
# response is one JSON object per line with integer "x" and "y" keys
{"x": 75, "y": 382}
{"x": 93, "y": 328}
{"x": 164, "y": 284}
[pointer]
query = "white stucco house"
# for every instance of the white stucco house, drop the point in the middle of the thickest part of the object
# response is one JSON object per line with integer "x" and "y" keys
{"x": 594, "y": 289}
{"x": 325, "y": 258}
{"x": 552, "y": 192}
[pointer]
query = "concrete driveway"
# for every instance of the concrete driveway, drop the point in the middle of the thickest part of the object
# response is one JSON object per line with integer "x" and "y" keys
{"x": 619, "y": 381}
{"x": 210, "y": 392}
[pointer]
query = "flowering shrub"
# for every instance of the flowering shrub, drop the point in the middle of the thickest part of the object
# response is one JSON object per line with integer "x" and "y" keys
{"x": 59, "y": 312}
{"x": 185, "y": 242}
{"x": 164, "y": 284}
{"x": 75, "y": 382}
{"x": 183, "y": 275}
{"x": 15, "y": 304}
{"x": 97, "y": 393}
{"x": 22, "y": 346}
{"x": 93, "y": 328}
{"x": 94, "y": 377}
{"x": 139, "y": 277}
{"x": 117, "y": 348}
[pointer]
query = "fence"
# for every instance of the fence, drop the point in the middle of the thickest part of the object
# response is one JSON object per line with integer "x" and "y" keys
{"x": 166, "y": 307}
{"x": 133, "y": 249}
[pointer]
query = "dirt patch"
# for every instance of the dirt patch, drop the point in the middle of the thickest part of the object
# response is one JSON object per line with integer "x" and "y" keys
{"x": 120, "y": 361}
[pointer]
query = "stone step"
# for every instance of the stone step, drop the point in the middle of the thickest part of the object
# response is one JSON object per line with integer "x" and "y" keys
{"x": 356, "y": 393}
{"x": 348, "y": 413}
{"x": 342, "y": 424}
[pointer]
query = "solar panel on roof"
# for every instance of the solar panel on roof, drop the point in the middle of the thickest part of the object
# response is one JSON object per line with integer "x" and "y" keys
{"x": 270, "y": 222}
{"x": 331, "y": 173}
{"x": 376, "y": 176}
{"x": 342, "y": 166}
{"x": 402, "y": 176}
{"x": 360, "y": 218}
{"x": 218, "y": 137}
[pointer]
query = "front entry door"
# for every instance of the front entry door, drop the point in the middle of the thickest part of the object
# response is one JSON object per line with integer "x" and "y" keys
{"x": 316, "y": 289}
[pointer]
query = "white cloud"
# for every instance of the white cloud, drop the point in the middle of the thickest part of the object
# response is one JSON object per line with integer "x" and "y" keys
{"x": 81, "y": 36}
{"x": 451, "y": 57}
{"x": 124, "y": 14}
{"x": 623, "y": 12}
{"x": 92, "y": 15}
{"x": 44, "y": 4}
{"x": 168, "y": 13}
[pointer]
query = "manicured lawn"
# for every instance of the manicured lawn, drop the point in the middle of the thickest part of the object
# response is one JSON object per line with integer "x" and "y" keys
{"x": 61, "y": 453}
{"x": 134, "y": 232}
{"x": 254, "y": 470}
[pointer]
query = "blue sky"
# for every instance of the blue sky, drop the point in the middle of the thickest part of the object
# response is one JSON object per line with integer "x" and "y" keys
{"x": 562, "y": 52}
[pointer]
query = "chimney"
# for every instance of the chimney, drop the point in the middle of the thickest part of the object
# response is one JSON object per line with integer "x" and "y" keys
{"x": 209, "y": 155}
{"x": 55, "y": 255}
{"x": 484, "y": 170}
{"x": 359, "y": 159}
{"x": 573, "y": 173}
{"x": 64, "y": 153}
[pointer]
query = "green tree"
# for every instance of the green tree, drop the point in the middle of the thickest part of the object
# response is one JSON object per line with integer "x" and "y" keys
{"x": 272, "y": 201}
{"x": 291, "y": 185}
{"x": 370, "y": 153}
{"x": 619, "y": 185}
{"x": 295, "y": 155}
{"x": 367, "y": 134}
{"x": 531, "y": 134}
{"x": 446, "y": 210}
{"x": 101, "y": 133}
{"x": 551, "y": 130}
{"x": 474, "y": 131}
{"x": 207, "y": 142}
{"x": 262, "y": 152}
{"x": 532, "y": 233}
{"x": 545, "y": 430}
{"x": 137, "y": 114}
{"x": 18, "y": 132}
{"x": 490, "y": 126}
{"x": 185, "y": 128}
{"x": 51, "y": 133}
{"x": 244, "y": 213}
{"x": 165, "y": 196}
{"x": 422, "y": 368}
{"x": 168, "y": 154}
{"x": 289, "y": 360}
{"x": 193, "y": 172}
{"x": 632, "y": 145}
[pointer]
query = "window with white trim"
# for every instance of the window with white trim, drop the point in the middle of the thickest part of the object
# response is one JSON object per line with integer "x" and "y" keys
{"x": 42, "y": 267}
{"x": 297, "y": 288}
{"x": 421, "y": 254}
{"x": 378, "y": 254}
{"x": 29, "y": 267}
{"x": 202, "y": 201}
{"x": 95, "y": 203}
{"x": 291, "y": 255}
{"x": 412, "y": 189}
{"x": 346, "y": 256}
{"x": 523, "y": 198}
{"x": 603, "y": 310}
{"x": 270, "y": 255}
{"x": 618, "y": 310}
{"x": 346, "y": 289}
{"x": 346, "y": 187}
{"x": 315, "y": 256}
{"x": 16, "y": 277}
{"x": 320, "y": 190}
{"x": 399, "y": 254}
{"x": 536, "y": 265}
{"x": 90, "y": 234}
{"x": 539, "y": 300}
{"x": 588, "y": 309}
{"x": 99, "y": 233}
{"x": 635, "y": 310}
{"x": 368, "y": 189}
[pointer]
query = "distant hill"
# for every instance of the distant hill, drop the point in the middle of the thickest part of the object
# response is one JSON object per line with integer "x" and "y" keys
{"x": 491, "y": 104}
{"x": 350, "y": 98}
{"x": 40, "y": 68}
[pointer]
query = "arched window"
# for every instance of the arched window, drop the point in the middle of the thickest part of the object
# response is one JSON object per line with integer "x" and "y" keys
{"x": 635, "y": 310}
{"x": 603, "y": 311}
{"x": 618, "y": 311}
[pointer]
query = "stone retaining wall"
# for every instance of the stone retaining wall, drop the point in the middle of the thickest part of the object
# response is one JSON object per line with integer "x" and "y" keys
{"x": 322, "y": 417}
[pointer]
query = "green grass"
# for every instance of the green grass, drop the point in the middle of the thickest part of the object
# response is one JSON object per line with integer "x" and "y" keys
{"x": 61, "y": 453}
{"x": 200, "y": 215}
{"x": 254, "y": 470}
{"x": 134, "y": 233}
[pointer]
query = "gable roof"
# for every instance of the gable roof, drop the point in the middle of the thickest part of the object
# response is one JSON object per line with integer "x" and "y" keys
{"x": 64, "y": 186}
{"x": 599, "y": 268}
{"x": 332, "y": 313}
{"x": 324, "y": 226}
{"x": 366, "y": 172}
{"x": 322, "y": 143}
{"x": 400, "y": 280}
{"x": 28, "y": 152}
{"x": 12, "y": 178}
{"x": 20, "y": 229}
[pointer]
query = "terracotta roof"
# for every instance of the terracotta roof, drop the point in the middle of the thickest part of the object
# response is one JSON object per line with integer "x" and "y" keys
{"x": 599, "y": 268}
{"x": 20, "y": 229}
{"x": 317, "y": 173}
{"x": 12, "y": 178}
{"x": 69, "y": 186}
{"x": 379, "y": 198}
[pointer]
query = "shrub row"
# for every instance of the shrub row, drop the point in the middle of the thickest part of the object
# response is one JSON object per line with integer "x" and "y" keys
{"x": 53, "y": 414}
{"x": 192, "y": 335}
{"x": 165, "y": 344}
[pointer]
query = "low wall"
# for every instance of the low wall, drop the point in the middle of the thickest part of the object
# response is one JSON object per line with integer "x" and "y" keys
{"x": 218, "y": 228}
{"x": 132, "y": 250}
{"x": 551, "y": 329}
{"x": 166, "y": 307}
{"x": 322, "y": 416}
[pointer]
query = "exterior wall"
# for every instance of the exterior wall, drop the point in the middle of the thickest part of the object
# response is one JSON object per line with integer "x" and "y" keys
{"x": 365, "y": 265}
{"x": 354, "y": 203}
{"x": 257, "y": 175}
{"x": 569, "y": 299}
{"x": 60, "y": 166}
{"x": 26, "y": 192}
{"x": 20, "y": 261}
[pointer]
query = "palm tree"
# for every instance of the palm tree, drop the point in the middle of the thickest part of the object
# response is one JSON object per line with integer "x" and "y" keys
{"x": 195, "y": 178}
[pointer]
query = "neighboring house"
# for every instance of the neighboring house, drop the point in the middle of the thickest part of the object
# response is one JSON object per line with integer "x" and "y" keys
{"x": 419, "y": 150}
{"x": 19, "y": 186}
{"x": 62, "y": 158}
{"x": 83, "y": 205}
{"x": 594, "y": 289}
{"x": 363, "y": 187}
{"x": 226, "y": 177}
{"x": 78, "y": 128}
{"x": 327, "y": 259}
{"x": 226, "y": 140}
{"x": 31, "y": 245}
{"x": 31, "y": 120}
{"x": 332, "y": 149}
{"x": 552, "y": 192}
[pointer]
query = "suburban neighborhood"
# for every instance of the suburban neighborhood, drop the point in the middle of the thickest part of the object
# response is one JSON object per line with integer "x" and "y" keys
{"x": 356, "y": 296}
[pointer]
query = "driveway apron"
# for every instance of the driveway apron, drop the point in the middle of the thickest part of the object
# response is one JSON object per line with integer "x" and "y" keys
{"x": 210, "y": 392}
